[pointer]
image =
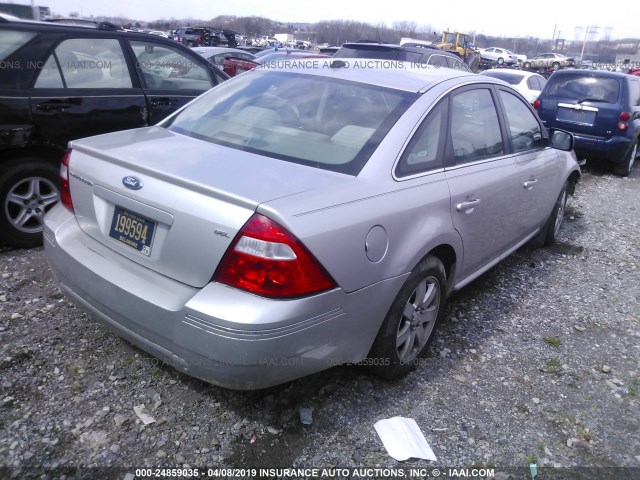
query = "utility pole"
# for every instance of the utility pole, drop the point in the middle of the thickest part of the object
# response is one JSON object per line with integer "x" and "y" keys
{"x": 590, "y": 30}
{"x": 35, "y": 11}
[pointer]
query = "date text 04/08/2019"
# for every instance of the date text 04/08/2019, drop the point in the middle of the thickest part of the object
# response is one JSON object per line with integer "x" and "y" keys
{"x": 250, "y": 473}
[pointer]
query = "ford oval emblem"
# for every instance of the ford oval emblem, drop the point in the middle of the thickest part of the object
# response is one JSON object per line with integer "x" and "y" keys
{"x": 132, "y": 183}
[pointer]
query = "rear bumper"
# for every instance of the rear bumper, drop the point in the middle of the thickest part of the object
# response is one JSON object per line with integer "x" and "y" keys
{"x": 612, "y": 149}
{"x": 217, "y": 333}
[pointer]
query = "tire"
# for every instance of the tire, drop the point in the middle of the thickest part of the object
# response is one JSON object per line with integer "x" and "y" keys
{"x": 28, "y": 189}
{"x": 500, "y": 61}
{"x": 555, "y": 66}
{"x": 624, "y": 169}
{"x": 552, "y": 227}
{"x": 411, "y": 322}
{"x": 527, "y": 64}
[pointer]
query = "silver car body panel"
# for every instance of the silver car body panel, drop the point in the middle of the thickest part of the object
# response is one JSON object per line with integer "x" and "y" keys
{"x": 368, "y": 231}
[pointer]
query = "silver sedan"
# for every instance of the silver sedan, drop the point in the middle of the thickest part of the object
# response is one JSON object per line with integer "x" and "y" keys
{"x": 291, "y": 220}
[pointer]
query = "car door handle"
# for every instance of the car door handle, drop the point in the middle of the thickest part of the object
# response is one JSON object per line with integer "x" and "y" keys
{"x": 164, "y": 101}
{"x": 530, "y": 183}
{"x": 468, "y": 206}
{"x": 53, "y": 107}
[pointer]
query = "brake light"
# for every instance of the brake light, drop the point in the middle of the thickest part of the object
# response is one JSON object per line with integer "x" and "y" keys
{"x": 625, "y": 116}
{"x": 622, "y": 126}
{"x": 268, "y": 260}
{"x": 65, "y": 191}
{"x": 536, "y": 104}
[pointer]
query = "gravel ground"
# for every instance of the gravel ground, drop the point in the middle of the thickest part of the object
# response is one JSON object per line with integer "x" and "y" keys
{"x": 537, "y": 361}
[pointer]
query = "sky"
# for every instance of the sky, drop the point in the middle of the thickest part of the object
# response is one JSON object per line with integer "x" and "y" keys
{"x": 541, "y": 18}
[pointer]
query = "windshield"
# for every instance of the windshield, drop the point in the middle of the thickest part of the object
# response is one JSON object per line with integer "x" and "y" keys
{"x": 585, "y": 88}
{"x": 312, "y": 120}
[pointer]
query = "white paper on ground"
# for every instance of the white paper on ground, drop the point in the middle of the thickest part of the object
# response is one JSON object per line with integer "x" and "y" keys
{"x": 403, "y": 439}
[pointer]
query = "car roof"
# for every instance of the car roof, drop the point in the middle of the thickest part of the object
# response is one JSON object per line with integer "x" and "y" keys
{"x": 384, "y": 73}
{"x": 215, "y": 50}
{"x": 523, "y": 73}
{"x": 99, "y": 29}
{"x": 394, "y": 46}
{"x": 589, "y": 73}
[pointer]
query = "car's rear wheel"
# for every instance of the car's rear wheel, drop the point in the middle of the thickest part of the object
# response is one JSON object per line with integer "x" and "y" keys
{"x": 500, "y": 61}
{"x": 555, "y": 65}
{"x": 552, "y": 227}
{"x": 527, "y": 64}
{"x": 624, "y": 169}
{"x": 28, "y": 189}
{"x": 411, "y": 322}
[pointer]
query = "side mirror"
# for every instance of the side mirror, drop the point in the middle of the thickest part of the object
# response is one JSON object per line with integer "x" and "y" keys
{"x": 560, "y": 139}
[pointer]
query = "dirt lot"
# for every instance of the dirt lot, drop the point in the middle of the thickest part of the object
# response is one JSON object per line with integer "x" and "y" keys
{"x": 538, "y": 361}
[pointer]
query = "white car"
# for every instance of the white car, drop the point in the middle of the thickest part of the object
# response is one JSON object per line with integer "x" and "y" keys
{"x": 549, "y": 60}
{"x": 499, "y": 56}
{"x": 529, "y": 84}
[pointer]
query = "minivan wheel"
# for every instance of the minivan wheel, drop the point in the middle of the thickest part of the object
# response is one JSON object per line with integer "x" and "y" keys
{"x": 624, "y": 169}
{"x": 411, "y": 322}
{"x": 28, "y": 189}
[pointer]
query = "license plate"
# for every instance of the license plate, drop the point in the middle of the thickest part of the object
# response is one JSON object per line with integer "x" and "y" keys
{"x": 133, "y": 230}
{"x": 584, "y": 116}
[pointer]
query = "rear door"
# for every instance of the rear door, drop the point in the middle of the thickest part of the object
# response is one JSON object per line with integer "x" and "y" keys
{"x": 483, "y": 179}
{"x": 85, "y": 88}
{"x": 539, "y": 170}
{"x": 170, "y": 76}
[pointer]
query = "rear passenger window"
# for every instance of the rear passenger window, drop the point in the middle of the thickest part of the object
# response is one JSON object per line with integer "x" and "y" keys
{"x": 475, "y": 130}
{"x": 85, "y": 63}
{"x": 164, "y": 68}
{"x": 437, "y": 61}
{"x": 424, "y": 150}
{"x": 524, "y": 129}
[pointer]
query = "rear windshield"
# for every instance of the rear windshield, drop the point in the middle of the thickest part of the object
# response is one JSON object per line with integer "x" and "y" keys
{"x": 312, "y": 120}
{"x": 585, "y": 88}
{"x": 511, "y": 78}
{"x": 11, "y": 41}
{"x": 376, "y": 52}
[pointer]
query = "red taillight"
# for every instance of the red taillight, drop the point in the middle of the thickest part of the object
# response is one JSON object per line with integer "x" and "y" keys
{"x": 65, "y": 191}
{"x": 625, "y": 116}
{"x": 536, "y": 104}
{"x": 268, "y": 260}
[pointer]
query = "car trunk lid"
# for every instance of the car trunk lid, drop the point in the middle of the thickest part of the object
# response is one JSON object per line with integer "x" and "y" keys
{"x": 174, "y": 203}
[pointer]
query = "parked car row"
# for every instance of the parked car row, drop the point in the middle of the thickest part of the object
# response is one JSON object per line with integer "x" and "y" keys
{"x": 325, "y": 212}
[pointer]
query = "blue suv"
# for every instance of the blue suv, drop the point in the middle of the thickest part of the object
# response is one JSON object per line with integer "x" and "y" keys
{"x": 600, "y": 108}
